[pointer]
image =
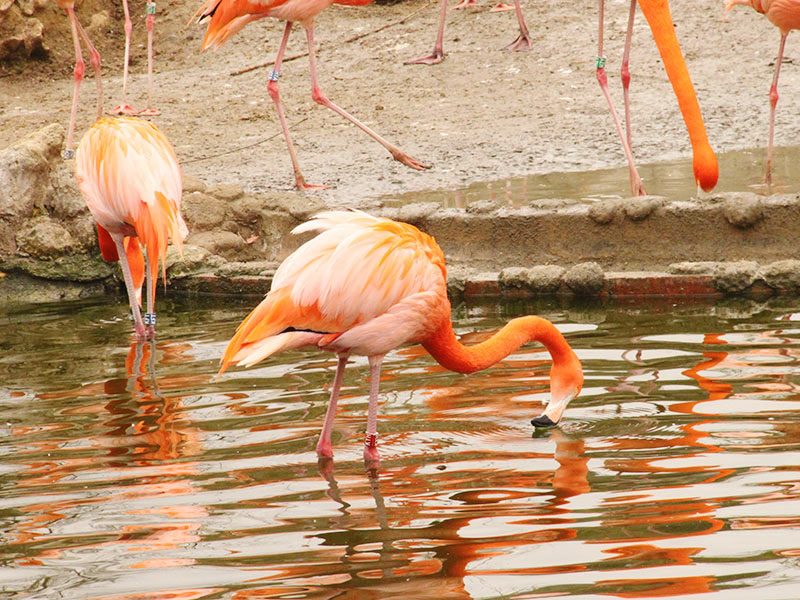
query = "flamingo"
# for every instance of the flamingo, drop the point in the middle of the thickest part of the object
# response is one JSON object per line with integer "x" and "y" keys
{"x": 522, "y": 43}
{"x": 657, "y": 13}
{"x": 129, "y": 176}
{"x": 365, "y": 285}
{"x": 78, "y": 34}
{"x": 785, "y": 15}
{"x": 150, "y": 21}
{"x": 229, "y": 16}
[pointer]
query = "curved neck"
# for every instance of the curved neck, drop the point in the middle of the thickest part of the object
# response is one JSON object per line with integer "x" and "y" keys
{"x": 453, "y": 355}
{"x": 659, "y": 18}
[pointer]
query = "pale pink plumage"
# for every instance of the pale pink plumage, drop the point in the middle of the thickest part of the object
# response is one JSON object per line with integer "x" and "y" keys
{"x": 129, "y": 176}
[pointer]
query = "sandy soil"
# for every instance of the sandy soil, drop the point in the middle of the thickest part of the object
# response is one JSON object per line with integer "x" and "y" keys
{"x": 482, "y": 114}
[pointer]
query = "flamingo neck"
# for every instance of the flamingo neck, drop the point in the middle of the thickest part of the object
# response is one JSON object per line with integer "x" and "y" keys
{"x": 659, "y": 18}
{"x": 453, "y": 355}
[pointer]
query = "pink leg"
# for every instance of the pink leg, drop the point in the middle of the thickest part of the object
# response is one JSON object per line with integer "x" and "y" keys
{"x": 773, "y": 103}
{"x": 320, "y": 98}
{"x": 523, "y": 41}
{"x": 150, "y": 111}
{"x": 275, "y": 94}
{"x": 324, "y": 446}
{"x": 625, "y": 74}
{"x": 150, "y": 315}
{"x": 138, "y": 323}
{"x": 80, "y": 68}
{"x": 637, "y": 189}
{"x": 125, "y": 108}
{"x": 371, "y": 440}
{"x": 437, "y": 55}
{"x": 94, "y": 60}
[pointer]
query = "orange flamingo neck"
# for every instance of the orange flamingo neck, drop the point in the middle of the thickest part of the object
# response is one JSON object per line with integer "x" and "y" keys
{"x": 657, "y": 13}
{"x": 453, "y": 355}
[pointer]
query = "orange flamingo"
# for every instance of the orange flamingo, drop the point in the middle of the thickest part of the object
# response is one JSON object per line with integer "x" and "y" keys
{"x": 229, "y": 16}
{"x": 129, "y": 176}
{"x": 365, "y": 285}
{"x": 657, "y": 13}
{"x": 522, "y": 43}
{"x": 785, "y": 15}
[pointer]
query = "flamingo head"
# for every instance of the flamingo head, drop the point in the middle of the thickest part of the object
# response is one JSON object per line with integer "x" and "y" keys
{"x": 706, "y": 168}
{"x": 566, "y": 382}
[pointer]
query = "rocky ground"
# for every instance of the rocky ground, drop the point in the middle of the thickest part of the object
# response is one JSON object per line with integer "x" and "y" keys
{"x": 483, "y": 114}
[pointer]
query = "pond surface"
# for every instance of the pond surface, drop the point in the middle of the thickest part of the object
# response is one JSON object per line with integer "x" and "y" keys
{"x": 742, "y": 170}
{"x": 126, "y": 472}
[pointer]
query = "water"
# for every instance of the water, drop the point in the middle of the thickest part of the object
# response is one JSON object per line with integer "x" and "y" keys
{"x": 675, "y": 474}
{"x": 739, "y": 171}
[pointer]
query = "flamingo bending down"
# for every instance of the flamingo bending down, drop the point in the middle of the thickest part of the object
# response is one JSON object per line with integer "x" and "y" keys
{"x": 150, "y": 22}
{"x": 129, "y": 176}
{"x": 522, "y": 43}
{"x": 365, "y": 285}
{"x": 657, "y": 13}
{"x": 785, "y": 15}
{"x": 229, "y": 16}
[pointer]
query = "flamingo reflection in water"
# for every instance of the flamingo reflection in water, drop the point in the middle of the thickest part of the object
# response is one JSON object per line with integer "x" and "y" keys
{"x": 366, "y": 285}
{"x": 144, "y": 452}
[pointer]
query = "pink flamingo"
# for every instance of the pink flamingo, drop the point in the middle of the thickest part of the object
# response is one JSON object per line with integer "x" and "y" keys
{"x": 522, "y": 43}
{"x": 365, "y": 285}
{"x": 229, "y": 16}
{"x": 129, "y": 176}
{"x": 785, "y": 15}
{"x": 657, "y": 13}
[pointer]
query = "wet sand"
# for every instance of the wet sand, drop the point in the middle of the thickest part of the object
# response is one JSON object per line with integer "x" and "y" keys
{"x": 483, "y": 114}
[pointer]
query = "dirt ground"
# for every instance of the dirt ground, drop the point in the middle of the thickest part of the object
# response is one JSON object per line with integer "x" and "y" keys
{"x": 482, "y": 114}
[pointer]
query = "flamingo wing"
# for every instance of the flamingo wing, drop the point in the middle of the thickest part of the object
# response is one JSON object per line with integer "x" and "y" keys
{"x": 356, "y": 268}
{"x": 230, "y": 16}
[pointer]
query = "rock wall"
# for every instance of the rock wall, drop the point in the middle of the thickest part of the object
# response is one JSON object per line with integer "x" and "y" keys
{"x": 21, "y": 33}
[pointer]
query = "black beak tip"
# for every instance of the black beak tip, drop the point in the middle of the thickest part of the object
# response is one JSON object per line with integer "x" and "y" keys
{"x": 543, "y": 421}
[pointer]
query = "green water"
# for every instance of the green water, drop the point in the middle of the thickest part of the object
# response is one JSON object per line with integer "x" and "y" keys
{"x": 742, "y": 170}
{"x": 675, "y": 474}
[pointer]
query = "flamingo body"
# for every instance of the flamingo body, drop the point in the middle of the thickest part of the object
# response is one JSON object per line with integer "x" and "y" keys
{"x": 366, "y": 285}
{"x": 129, "y": 176}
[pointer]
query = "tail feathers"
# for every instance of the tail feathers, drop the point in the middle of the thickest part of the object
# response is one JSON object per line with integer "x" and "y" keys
{"x": 258, "y": 351}
{"x": 218, "y": 33}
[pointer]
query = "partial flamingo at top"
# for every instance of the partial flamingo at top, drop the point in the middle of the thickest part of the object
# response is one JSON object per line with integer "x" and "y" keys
{"x": 229, "y": 16}
{"x": 659, "y": 17}
{"x": 785, "y": 15}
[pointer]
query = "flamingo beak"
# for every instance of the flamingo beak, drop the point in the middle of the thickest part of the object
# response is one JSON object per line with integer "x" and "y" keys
{"x": 552, "y": 414}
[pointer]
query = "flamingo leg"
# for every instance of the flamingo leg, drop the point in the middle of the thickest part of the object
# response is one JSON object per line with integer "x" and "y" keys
{"x": 625, "y": 73}
{"x": 150, "y": 22}
{"x": 138, "y": 323}
{"x": 437, "y": 55}
{"x": 320, "y": 98}
{"x": 94, "y": 60}
{"x": 80, "y": 68}
{"x": 371, "y": 440}
{"x": 275, "y": 94}
{"x": 150, "y": 315}
{"x": 125, "y": 108}
{"x": 523, "y": 42}
{"x": 637, "y": 188}
{"x": 773, "y": 103}
{"x": 325, "y": 446}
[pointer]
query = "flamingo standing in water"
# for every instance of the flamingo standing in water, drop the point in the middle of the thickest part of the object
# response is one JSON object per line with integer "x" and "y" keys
{"x": 522, "y": 43}
{"x": 129, "y": 176}
{"x": 229, "y": 16}
{"x": 365, "y": 285}
{"x": 78, "y": 34}
{"x": 657, "y": 13}
{"x": 785, "y": 15}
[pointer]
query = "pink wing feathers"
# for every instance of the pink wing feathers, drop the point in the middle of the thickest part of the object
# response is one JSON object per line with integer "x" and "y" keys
{"x": 229, "y": 16}
{"x": 356, "y": 269}
{"x": 129, "y": 175}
